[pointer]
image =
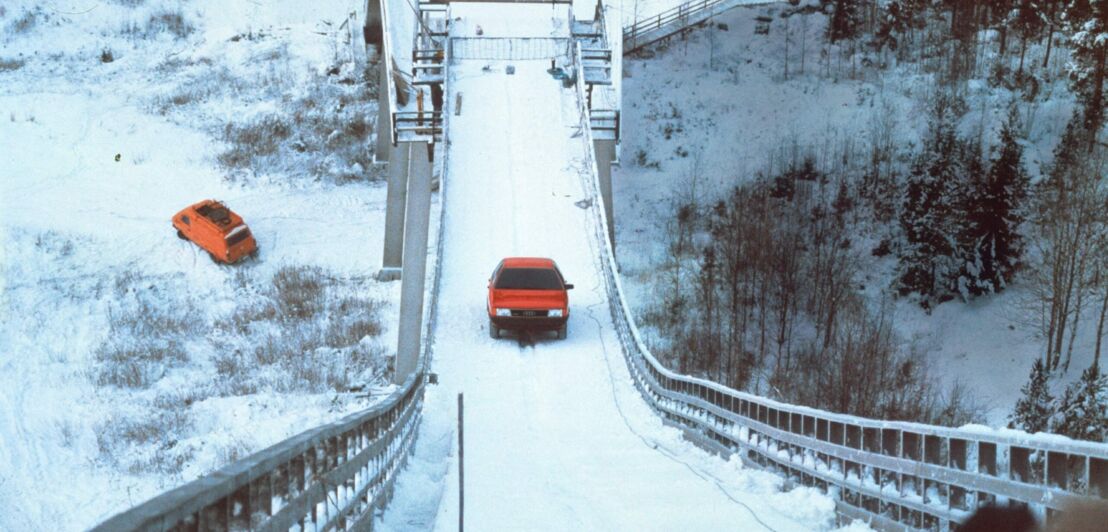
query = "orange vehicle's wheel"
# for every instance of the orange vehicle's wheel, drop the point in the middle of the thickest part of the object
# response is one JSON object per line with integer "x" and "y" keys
{"x": 562, "y": 332}
{"x": 214, "y": 259}
{"x": 494, "y": 331}
{"x": 181, "y": 235}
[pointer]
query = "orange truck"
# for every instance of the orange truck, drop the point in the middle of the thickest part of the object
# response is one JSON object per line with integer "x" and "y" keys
{"x": 216, "y": 229}
{"x": 528, "y": 294}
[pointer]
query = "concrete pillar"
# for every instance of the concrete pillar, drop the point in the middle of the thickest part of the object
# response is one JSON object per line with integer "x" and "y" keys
{"x": 418, "y": 218}
{"x": 384, "y": 112}
{"x": 395, "y": 203}
{"x": 605, "y": 152}
{"x": 373, "y": 30}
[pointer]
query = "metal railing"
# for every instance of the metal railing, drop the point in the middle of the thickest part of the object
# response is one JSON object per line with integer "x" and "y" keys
{"x": 670, "y": 22}
{"x": 409, "y": 126}
{"x": 894, "y": 475}
{"x": 507, "y": 48}
{"x": 331, "y": 477}
{"x": 605, "y": 122}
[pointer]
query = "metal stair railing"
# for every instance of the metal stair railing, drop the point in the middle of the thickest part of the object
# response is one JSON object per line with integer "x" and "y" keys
{"x": 654, "y": 28}
{"x": 893, "y": 475}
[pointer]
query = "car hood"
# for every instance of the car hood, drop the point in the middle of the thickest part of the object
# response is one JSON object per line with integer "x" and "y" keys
{"x": 529, "y": 298}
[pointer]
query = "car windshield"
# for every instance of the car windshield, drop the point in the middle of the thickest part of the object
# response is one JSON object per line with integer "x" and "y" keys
{"x": 528, "y": 279}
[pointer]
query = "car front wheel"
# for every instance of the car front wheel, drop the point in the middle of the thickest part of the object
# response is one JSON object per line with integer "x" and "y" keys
{"x": 494, "y": 331}
{"x": 181, "y": 235}
{"x": 562, "y": 332}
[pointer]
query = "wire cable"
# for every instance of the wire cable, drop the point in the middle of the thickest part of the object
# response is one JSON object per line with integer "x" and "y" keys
{"x": 653, "y": 444}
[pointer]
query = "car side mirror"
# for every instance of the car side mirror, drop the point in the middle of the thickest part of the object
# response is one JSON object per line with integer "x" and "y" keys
{"x": 569, "y": 286}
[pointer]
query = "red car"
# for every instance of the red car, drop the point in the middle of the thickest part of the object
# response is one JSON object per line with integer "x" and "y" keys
{"x": 528, "y": 294}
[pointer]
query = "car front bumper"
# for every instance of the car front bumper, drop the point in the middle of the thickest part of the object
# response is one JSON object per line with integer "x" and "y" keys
{"x": 522, "y": 323}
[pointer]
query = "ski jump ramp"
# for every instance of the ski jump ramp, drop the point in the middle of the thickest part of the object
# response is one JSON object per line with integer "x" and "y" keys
{"x": 556, "y": 435}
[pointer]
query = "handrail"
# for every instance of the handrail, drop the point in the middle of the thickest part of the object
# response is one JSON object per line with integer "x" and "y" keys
{"x": 332, "y": 476}
{"x": 425, "y": 124}
{"x": 654, "y": 28}
{"x": 893, "y": 474}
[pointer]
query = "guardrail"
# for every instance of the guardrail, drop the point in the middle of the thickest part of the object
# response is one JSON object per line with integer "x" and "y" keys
{"x": 894, "y": 475}
{"x": 672, "y": 21}
{"x": 508, "y": 48}
{"x": 408, "y": 125}
{"x": 605, "y": 122}
{"x": 330, "y": 477}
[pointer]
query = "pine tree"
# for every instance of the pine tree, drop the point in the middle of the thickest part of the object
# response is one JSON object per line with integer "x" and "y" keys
{"x": 995, "y": 214}
{"x": 1034, "y": 410}
{"x": 1089, "y": 23}
{"x": 1028, "y": 23}
{"x": 1083, "y": 412}
{"x": 1000, "y": 12}
{"x": 900, "y": 20}
{"x": 929, "y": 219}
{"x": 845, "y": 21}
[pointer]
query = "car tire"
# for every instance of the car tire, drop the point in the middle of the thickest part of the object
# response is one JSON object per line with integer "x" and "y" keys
{"x": 494, "y": 331}
{"x": 181, "y": 235}
{"x": 213, "y": 257}
{"x": 562, "y": 332}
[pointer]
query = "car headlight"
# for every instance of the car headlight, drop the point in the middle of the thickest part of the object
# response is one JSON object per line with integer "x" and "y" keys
{"x": 555, "y": 313}
{"x": 503, "y": 312}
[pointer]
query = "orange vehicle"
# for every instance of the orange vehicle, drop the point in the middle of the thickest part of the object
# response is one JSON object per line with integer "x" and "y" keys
{"x": 528, "y": 294}
{"x": 218, "y": 230}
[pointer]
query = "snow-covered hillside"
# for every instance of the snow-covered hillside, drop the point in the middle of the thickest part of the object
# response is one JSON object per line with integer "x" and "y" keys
{"x": 706, "y": 113}
{"x": 129, "y": 362}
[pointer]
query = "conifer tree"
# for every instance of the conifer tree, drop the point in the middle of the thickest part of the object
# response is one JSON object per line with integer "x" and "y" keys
{"x": 1083, "y": 411}
{"x": 845, "y": 22}
{"x": 929, "y": 219}
{"x": 995, "y": 214}
{"x": 1035, "y": 408}
{"x": 1000, "y": 12}
{"x": 1089, "y": 23}
{"x": 1028, "y": 22}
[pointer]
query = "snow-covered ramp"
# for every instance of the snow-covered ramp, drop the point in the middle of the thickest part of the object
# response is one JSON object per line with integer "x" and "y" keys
{"x": 557, "y": 437}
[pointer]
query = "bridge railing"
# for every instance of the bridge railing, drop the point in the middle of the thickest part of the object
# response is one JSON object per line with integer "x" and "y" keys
{"x": 894, "y": 475}
{"x": 651, "y": 29}
{"x": 330, "y": 477}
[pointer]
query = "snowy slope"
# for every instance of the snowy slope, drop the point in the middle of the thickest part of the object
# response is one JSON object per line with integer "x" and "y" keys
{"x": 714, "y": 109}
{"x": 557, "y": 438}
{"x": 82, "y": 231}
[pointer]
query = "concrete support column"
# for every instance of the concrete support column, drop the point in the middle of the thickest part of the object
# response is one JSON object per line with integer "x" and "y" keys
{"x": 395, "y": 204}
{"x": 418, "y": 218}
{"x": 605, "y": 152}
{"x": 384, "y": 112}
{"x": 373, "y": 30}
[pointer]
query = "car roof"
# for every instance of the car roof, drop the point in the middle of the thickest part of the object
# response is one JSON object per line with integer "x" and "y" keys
{"x": 528, "y": 262}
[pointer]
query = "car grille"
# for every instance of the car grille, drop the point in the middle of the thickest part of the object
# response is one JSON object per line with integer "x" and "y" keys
{"x": 529, "y": 313}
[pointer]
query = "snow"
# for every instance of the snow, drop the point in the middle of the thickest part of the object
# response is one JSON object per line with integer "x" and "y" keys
{"x": 556, "y": 435}
{"x": 714, "y": 109}
{"x": 81, "y": 232}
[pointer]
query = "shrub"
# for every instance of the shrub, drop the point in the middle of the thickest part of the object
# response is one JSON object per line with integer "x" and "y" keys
{"x": 172, "y": 22}
{"x": 253, "y": 140}
{"x": 298, "y": 291}
{"x": 26, "y": 21}
{"x": 11, "y": 64}
{"x": 322, "y": 134}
